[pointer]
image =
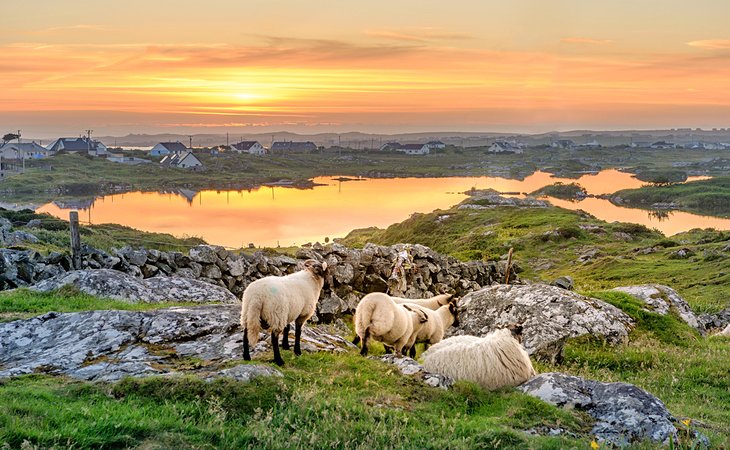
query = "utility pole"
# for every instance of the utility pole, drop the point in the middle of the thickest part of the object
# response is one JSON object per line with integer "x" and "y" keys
{"x": 88, "y": 140}
{"x": 226, "y": 139}
{"x": 190, "y": 139}
{"x": 22, "y": 154}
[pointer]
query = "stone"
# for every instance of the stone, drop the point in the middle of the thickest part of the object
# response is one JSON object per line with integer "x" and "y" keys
{"x": 120, "y": 286}
{"x": 549, "y": 316}
{"x": 133, "y": 257}
{"x": 344, "y": 273}
{"x": 246, "y": 372}
{"x": 34, "y": 223}
{"x": 148, "y": 270}
{"x": 211, "y": 271}
{"x": 624, "y": 413}
{"x": 5, "y": 225}
{"x": 236, "y": 266}
{"x": 717, "y": 320}
{"x": 662, "y": 300}
{"x": 19, "y": 238}
{"x": 109, "y": 345}
{"x": 410, "y": 367}
{"x": 204, "y": 254}
{"x": 330, "y": 305}
{"x": 682, "y": 253}
{"x": 565, "y": 282}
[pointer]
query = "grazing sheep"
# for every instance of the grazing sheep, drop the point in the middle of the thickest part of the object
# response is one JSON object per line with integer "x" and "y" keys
{"x": 272, "y": 303}
{"x": 377, "y": 316}
{"x": 433, "y": 303}
{"x": 494, "y": 361}
{"x": 432, "y": 332}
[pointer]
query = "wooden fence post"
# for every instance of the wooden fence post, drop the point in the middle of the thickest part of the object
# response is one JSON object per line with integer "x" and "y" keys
{"x": 509, "y": 266}
{"x": 75, "y": 239}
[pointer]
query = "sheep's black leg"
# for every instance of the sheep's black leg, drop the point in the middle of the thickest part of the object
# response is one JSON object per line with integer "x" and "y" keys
{"x": 356, "y": 341}
{"x": 412, "y": 351}
{"x": 285, "y": 338}
{"x": 297, "y": 338}
{"x": 388, "y": 349}
{"x": 275, "y": 346}
{"x": 246, "y": 354}
{"x": 364, "y": 350}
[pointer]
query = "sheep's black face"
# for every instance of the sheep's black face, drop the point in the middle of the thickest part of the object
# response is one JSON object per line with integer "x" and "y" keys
{"x": 454, "y": 310}
{"x": 516, "y": 330}
{"x": 316, "y": 267}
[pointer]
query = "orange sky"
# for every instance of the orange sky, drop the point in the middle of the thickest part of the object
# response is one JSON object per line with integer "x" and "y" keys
{"x": 225, "y": 65}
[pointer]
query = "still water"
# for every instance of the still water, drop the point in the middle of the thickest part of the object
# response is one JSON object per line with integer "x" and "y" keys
{"x": 271, "y": 216}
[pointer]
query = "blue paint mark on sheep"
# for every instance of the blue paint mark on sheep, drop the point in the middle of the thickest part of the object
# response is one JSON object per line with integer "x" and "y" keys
{"x": 274, "y": 289}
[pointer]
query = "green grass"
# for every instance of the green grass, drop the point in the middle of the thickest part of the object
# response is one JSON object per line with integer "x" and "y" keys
{"x": 24, "y": 303}
{"x": 569, "y": 191}
{"x": 709, "y": 197}
{"x": 324, "y": 401}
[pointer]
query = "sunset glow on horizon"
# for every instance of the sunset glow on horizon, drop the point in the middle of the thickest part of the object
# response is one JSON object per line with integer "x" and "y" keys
{"x": 376, "y": 66}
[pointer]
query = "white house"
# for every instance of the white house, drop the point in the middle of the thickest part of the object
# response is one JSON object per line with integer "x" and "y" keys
{"x": 165, "y": 148}
{"x": 182, "y": 161}
{"x": 415, "y": 149}
{"x": 563, "y": 143}
{"x": 593, "y": 144}
{"x": 251, "y": 147}
{"x": 25, "y": 150}
{"x": 436, "y": 145}
{"x": 505, "y": 147}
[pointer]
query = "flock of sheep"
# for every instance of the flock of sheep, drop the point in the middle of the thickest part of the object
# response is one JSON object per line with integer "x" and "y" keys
{"x": 493, "y": 361}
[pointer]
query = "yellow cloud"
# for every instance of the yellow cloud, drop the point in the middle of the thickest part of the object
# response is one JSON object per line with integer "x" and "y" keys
{"x": 712, "y": 44}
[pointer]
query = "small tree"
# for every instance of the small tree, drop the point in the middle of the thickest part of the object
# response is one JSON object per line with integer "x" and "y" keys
{"x": 10, "y": 137}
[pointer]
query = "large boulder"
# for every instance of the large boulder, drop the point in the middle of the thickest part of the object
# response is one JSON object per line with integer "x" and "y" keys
{"x": 108, "y": 345}
{"x": 410, "y": 367}
{"x": 623, "y": 412}
{"x": 121, "y": 286}
{"x": 662, "y": 300}
{"x": 549, "y": 315}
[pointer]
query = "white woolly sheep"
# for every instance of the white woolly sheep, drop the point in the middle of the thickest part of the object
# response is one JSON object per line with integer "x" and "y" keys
{"x": 433, "y": 303}
{"x": 377, "y": 316}
{"x": 432, "y": 332}
{"x": 494, "y": 361}
{"x": 272, "y": 303}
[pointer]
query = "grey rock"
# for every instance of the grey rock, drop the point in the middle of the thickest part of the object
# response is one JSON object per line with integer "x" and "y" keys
{"x": 120, "y": 286}
{"x": 661, "y": 299}
{"x": 565, "y": 282}
{"x": 211, "y": 271}
{"x": 19, "y": 238}
{"x": 409, "y": 366}
{"x": 344, "y": 273}
{"x": 246, "y": 372}
{"x": 718, "y": 320}
{"x": 624, "y": 413}
{"x": 34, "y": 223}
{"x": 236, "y": 266}
{"x": 108, "y": 345}
{"x": 204, "y": 254}
{"x": 5, "y": 225}
{"x": 132, "y": 256}
{"x": 549, "y": 315}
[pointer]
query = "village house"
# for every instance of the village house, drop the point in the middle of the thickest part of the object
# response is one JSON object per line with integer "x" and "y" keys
{"x": 25, "y": 150}
{"x": 165, "y": 148}
{"x": 390, "y": 146}
{"x": 436, "y": 145}
{"x": 662, "y": 145}
{"x": 505, "y": 147}
{"x": 78, "y": 145}
{"x": 293, "y": 147}
{"x": 563, "y": 144}
{"x": 592, "y": 144}
{"x": 415, "y": 149}
{"x": 250, "y": 147}
{"x": 182, "y": 161}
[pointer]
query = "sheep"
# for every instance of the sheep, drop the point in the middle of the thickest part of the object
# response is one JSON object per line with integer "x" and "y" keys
{"x": 433, "y": 303}
{"x": 439, "y": 321}
{"x": 272, "y": 303}
{"x": 494, "y": 361}
{"x": 379, "y": 317}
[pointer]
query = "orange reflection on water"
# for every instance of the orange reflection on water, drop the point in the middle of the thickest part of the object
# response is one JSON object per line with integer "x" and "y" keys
{"x": 270, "y": 216}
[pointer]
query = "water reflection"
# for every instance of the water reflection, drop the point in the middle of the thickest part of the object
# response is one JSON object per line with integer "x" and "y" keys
{"x": 272, "y": 215}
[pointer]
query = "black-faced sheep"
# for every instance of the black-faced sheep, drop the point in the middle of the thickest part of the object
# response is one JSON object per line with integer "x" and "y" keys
{"x": 272, "y": 303}
{"x": 494, "y": 361}
{"x": 378, "y": 317}
{"x": 432, "y": 332}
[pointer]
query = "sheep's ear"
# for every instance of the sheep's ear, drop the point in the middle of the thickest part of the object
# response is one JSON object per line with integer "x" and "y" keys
{"x": 516, "y": 330}
{"x": 423, "y": 317}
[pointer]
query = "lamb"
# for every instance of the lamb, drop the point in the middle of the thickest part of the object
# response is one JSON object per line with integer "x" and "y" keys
{"x": 272, "y": 303}
{"x": 433, "y": 303}
{"x": 494, "y": 361}
{"x": 432, "y": 332}
{"x": 379, "y": 317}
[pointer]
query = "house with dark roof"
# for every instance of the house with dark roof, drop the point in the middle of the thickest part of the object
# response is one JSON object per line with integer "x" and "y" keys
{"x": 390, "y": 146}
{"x": 24, "y": 150}
{"x": 250, "y": 147}
{"x": 504, "y": 147}
{"x": 415, "y": 149}
{"x": 436, "y": 145}
{"x": 182, "y": 161}
{"x": 165, "y": 148}
{"x": 78, "y": 145}
{"x": 293, "y": 147}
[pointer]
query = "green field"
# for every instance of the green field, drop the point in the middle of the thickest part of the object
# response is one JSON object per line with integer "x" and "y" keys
{"x": 708, "y": 197}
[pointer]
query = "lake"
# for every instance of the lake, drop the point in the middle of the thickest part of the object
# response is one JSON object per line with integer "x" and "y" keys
{"x": 271, "y": 216}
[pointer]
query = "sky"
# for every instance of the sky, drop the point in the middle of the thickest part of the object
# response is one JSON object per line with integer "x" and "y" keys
{"x": 531, "y": 66}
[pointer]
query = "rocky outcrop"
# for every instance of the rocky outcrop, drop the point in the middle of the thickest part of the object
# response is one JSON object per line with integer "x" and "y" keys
{"x": 662, "y": 300}
{"x": 120, "y": 286}
{"x": 623, "y": 412}
{"x": 718, "y": 320}
{"x": 549, "y": 315}
{"x": 410, "y": 367}
{"x": 109, "y": 345}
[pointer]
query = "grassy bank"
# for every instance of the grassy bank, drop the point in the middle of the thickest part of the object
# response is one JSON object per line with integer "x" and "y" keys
{"x": 569, "y": 191}
{"x": 708, "y": 197}
{"x": 550, "y": 242}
